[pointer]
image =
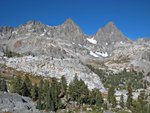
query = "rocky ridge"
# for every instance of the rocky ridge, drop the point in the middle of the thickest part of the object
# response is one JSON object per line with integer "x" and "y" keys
{"x": 71, "y": 50}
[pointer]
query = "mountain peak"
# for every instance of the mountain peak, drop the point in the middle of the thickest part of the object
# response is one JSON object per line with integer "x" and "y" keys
{"x": 144, "y": 39}
{"x": 31, "y": 22}
{"x": 70, "y": 21}
{"x": 110, "y": 25}
{"x": 110, "y": 33}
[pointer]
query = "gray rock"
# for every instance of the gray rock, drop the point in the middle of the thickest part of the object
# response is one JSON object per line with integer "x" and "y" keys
{"x": 16, "y": 103}
{"x": 109, "y": 34}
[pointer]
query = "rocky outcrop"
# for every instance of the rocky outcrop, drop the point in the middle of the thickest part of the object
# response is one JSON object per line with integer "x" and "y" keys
{"x": 54, "y": 67}
{"x": 69, "y": 31}
{"x": 15, "y": 103}
{"x": 6, "y": 32}
{"x": 110, "y": 34}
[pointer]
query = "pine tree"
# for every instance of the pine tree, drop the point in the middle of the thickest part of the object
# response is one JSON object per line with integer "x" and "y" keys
{"x": 45, "y": 88}
{"x": 41, "y": 88}
{"x": 28, "y": 83}
{"x": 34, "y": 92}
{"x": 39, "y": 103}
{"x": 63, "y": 84}
{"x": 93, "y": 97}
{"x": 114, "y": 103}
{"x": 74, "y": 89}
{"x": 55, "y": 91}
{"x": 122, "y": 101}
{"x": 99, "y": 99}
{"x": 3, "y": 86}
{"x": 48, "y": 100}
{"x": 16, "y": 85}
{"x": 40, "y": 95}
{"x": 24, "y": 90}
{"x": 79, "y": 92}
{"x": 83, "y": 93}
{"x": 111, "y": 97}
{"x": 129, "y": 99}
{"x": 142, "y": 99}
{"x": 0, "y": 84}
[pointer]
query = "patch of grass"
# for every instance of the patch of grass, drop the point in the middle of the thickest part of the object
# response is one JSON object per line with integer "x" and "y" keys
{"x": 124, "y": 60}
{"x": 100, "y": 63}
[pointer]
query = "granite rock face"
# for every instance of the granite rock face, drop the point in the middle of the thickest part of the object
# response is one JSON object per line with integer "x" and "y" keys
{"x": 55, "y": 67}
{"x": 15, "y": 103}
{"x": 110, "y": 34}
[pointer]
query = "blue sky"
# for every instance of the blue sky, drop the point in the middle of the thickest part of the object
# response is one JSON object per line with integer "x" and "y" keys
{"x": 132, "y": 17}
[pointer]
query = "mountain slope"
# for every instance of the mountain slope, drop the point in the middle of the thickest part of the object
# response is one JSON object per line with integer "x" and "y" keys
{"x": 65, "y": 50}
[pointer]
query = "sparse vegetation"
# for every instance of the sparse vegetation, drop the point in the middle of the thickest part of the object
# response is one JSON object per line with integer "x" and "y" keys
{"x": 121, "y": 79}
{"x": 9, "y": 53}
{"x": 47, "y": 94}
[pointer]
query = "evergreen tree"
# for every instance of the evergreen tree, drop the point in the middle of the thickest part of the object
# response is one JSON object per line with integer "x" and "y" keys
{"x": 74, "y": 89}
{"x": 24, "y": 90}
{"x": 55, "y": 91}
{"x": 3, "y": 85}
{"x": 45, "y": 88}
{"x": 39, "y": 102}
{"x": 41, "y": 88}
{"x": 40, "y": 95}
{"x": 99, "y": 99}
{"x": 142, "y": 100}
{"x": 105, "y": 106}
{"x": 34, "y": 92}
{"x": 122, "y": 101}
{"x": 129, "y": 99}
{"x": 114, "y": 103}
{"x": 16, "y": 85}
{"x": 92, "y": 97}
{"x": 111, "y": 97}
{"x": 83, "y": 93}
{"x": 28, "y": 83}
{"x": 63, "y": 84}
{"x": 0, "y": 84}
{"x": 48, "y": 100}
{"x": 136, "y": 107}
{"x": 78, "y": 91}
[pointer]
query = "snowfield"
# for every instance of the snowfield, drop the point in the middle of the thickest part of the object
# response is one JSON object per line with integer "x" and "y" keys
{"x": 93, "y": 54}
{"x": 102, "y": 54}
{"x": 92, "y": 40}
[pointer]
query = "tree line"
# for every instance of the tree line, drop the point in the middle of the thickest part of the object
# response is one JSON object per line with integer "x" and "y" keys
{"x": 47, "y": 94}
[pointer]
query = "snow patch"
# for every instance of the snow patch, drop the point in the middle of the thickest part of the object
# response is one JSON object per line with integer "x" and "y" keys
{"x": 14, "y": 32}
{"x": 43, "y": 33}
{"x": 121, "y": 42}
{"x": 92, "y": 40}
{"x": 73, "y": 43}
{"x": 112, "y": 32}
{"x": 106, "y": 43}
{"x": 80, "y": 45}
{"x": 93, "y": 54}
{"x": 48, "y": 33}
{"x": 102, "y": 54}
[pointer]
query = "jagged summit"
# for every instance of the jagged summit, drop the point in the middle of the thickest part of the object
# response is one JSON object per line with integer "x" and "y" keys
{"x": 29, "y": 22}
{"x": 69, "y": 21}
{"x": 110, "y": 26}
{"x": 34, "y": 22}
{"x": 110, "y": 34}
{"x": 144, "y": 39}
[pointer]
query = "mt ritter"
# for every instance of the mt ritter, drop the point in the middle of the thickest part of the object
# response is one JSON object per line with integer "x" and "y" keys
{"x": 65, "y": 50}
